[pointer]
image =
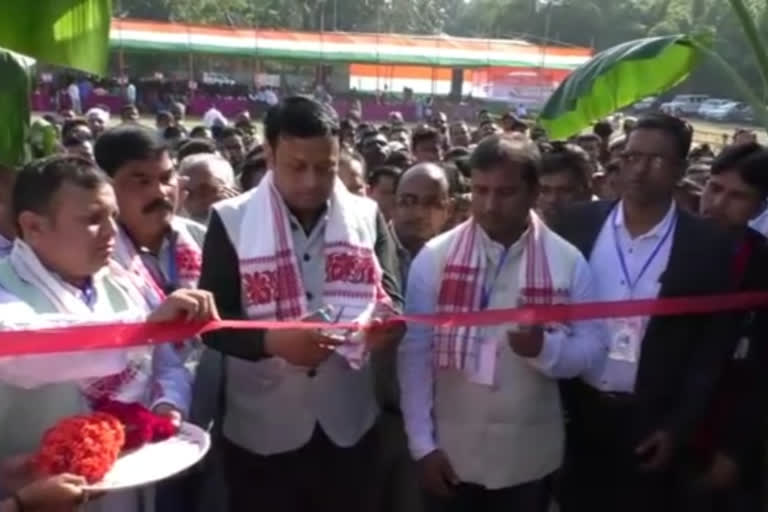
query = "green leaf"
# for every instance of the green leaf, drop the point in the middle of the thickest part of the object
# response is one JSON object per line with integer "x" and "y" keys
{"x": 753, "y": 37}
{"x": 71, "y": 33}
{"x": 618, "y": 77}
{"x": 16, "y": 71}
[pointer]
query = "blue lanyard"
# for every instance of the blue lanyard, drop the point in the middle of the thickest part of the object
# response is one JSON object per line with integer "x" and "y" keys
{"x": 488, "y": 291}
{"x": 172, "y": 283}
{"x": 647, "y": 264}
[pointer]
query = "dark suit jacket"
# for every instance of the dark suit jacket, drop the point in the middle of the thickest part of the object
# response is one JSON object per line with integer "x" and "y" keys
{"x": 736, "y": 422}
{"x": 681, "y": 356}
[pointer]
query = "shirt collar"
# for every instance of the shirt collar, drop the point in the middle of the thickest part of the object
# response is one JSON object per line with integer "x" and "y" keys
{"x": 86, "y": 293}
{"x": 656, "y": 231}
{"x": 494, "y": 249}
{"x": 294, "y": 223}
{"x": 5, "y": 244}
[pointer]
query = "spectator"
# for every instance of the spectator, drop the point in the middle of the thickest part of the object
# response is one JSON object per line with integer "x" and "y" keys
{"x": 426, "y": 144}
{"x": 382, "y": 183}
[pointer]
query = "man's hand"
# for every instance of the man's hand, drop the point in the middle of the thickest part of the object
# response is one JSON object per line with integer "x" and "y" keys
{"x": 437, "y": 474}
{"x": 655, "y": 451}
{"x": 527, "y": 342}
{"x": 192, "y": 305}
{"x": 381, "y": 332}
{"x": 170, "y": 412}
{"x": 60, "y": 492}
{"x": 300, "y": 347}
{"x": 228, "y": 192}
{"x": 16, "y": 472}
{"x": 722, "y": 474}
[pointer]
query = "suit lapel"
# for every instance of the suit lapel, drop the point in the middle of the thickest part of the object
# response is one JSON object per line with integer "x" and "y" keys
{"x": 585, "y": 238}
{"x": 672, "y": 280}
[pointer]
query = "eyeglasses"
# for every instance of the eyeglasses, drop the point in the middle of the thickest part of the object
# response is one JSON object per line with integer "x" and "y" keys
{"x": 653, "y": 160}
{"x": 431, "y": 203}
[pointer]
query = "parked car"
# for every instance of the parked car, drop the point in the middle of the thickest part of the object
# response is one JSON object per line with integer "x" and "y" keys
{"x": 645, "y": 104}
{"x": 731, "y": 111}
{"x": 712, "y": 105}
{"x": 684, "y": 104}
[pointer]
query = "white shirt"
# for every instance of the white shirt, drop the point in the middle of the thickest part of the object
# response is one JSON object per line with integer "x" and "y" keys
{"x": 561, "y": 356}
{"x": 760, "y": 223}
{"x": 5, "y": 246}
{"x": 270, "y": 98}
{"x": 619, "y": 375}
{"x": 213, "y": 117}
{"x": 130, "y": 93}
{"x": 74, "y": 93}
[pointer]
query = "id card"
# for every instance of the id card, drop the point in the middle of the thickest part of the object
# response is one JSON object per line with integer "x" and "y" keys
{"x": 625, "y": 342}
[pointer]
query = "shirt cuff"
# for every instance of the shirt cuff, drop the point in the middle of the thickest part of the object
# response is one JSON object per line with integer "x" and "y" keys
{"x": 550, "y": 351}
{"x": 420, "y": 448}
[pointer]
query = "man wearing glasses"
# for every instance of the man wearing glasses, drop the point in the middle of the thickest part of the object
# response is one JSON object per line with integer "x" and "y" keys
{"x": 630, "y": 416}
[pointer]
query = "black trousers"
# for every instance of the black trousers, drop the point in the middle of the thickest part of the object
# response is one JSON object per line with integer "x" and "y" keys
{"x": 601, "y": 471}
{"x": 528, "y": 497}
{"x": 319, "y": 476}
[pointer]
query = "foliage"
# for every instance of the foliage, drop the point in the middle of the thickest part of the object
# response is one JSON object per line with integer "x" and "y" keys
{"x": 596, "y": 23}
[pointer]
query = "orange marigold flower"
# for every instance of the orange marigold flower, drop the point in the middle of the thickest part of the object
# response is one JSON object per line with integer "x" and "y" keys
{"x": 86, "y": 445}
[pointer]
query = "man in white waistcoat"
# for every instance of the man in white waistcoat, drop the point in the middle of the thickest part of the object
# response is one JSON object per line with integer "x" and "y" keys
{"x": 481, "y": 404}
{"x": 59, "y": 273}
{"x": 299, "y": 406}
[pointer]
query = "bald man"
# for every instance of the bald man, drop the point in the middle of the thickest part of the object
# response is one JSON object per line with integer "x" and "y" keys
{"x": 209, "y": 179}
{"x": 352, "y": 173}
{"x": 421, "y": 211}
{"x": 422, "y": 208}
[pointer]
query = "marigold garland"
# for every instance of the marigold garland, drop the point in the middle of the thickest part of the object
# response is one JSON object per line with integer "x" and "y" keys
{"x": 89, "y": 445}
{"x": 85, "y": 445}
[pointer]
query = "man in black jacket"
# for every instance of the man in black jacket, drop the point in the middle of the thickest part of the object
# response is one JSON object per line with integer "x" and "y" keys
{"x": 728, "y": 462}
{"x": 297, "y": 413}
{"x": 629, "y": 418}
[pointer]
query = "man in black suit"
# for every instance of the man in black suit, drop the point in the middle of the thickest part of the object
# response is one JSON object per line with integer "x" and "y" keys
{"x": 629, "y": 417}
{"x": 728, "y": 462}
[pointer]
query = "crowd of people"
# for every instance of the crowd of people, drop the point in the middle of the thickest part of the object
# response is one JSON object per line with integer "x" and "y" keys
{"x": 322, "y": 219}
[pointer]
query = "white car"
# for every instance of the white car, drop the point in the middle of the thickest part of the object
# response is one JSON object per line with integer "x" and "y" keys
{"x": 644, "y": 104}
{"x": 684, "y": 104}
{"x": 712, "y": 105}
{"x": 733, "y": 111}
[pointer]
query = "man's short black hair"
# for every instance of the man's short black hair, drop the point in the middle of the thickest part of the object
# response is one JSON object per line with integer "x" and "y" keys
{"x": 501, "y": 150}
{"x": 399, "y": 159}
{"x": 560, "y": 157}
{"x": 457, "y": 152}
{"x": 245, "y": 126}
{"x": 603, "y": 129}
{"x": 38, "y": 182}
{"x": 70, "y": 124}
{"x": 300, "y": 116}
{"x": 384, "y": 171}
{"x": 199, "y": 131}
{"x": 172, "y": 132}
{"x": 195, "y": 146}
{"x": 229, "y": 131}
{"x": 424, "y": 134}
{"x": 127, "y": 143}
{"x": 588, "y": 137}
{"x": 457, "y": 183}
{"x": 165, "y": 115}
{"x": 250, "y": 167}
{"x": 674, "y": 127}
{"x": 750, "y": 160}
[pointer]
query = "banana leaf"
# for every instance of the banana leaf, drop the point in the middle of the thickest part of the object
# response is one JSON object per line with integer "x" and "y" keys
{"x": 16, "y": 71}
{"x": 618, "y": 77}
{"x": 70, "y": 33}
